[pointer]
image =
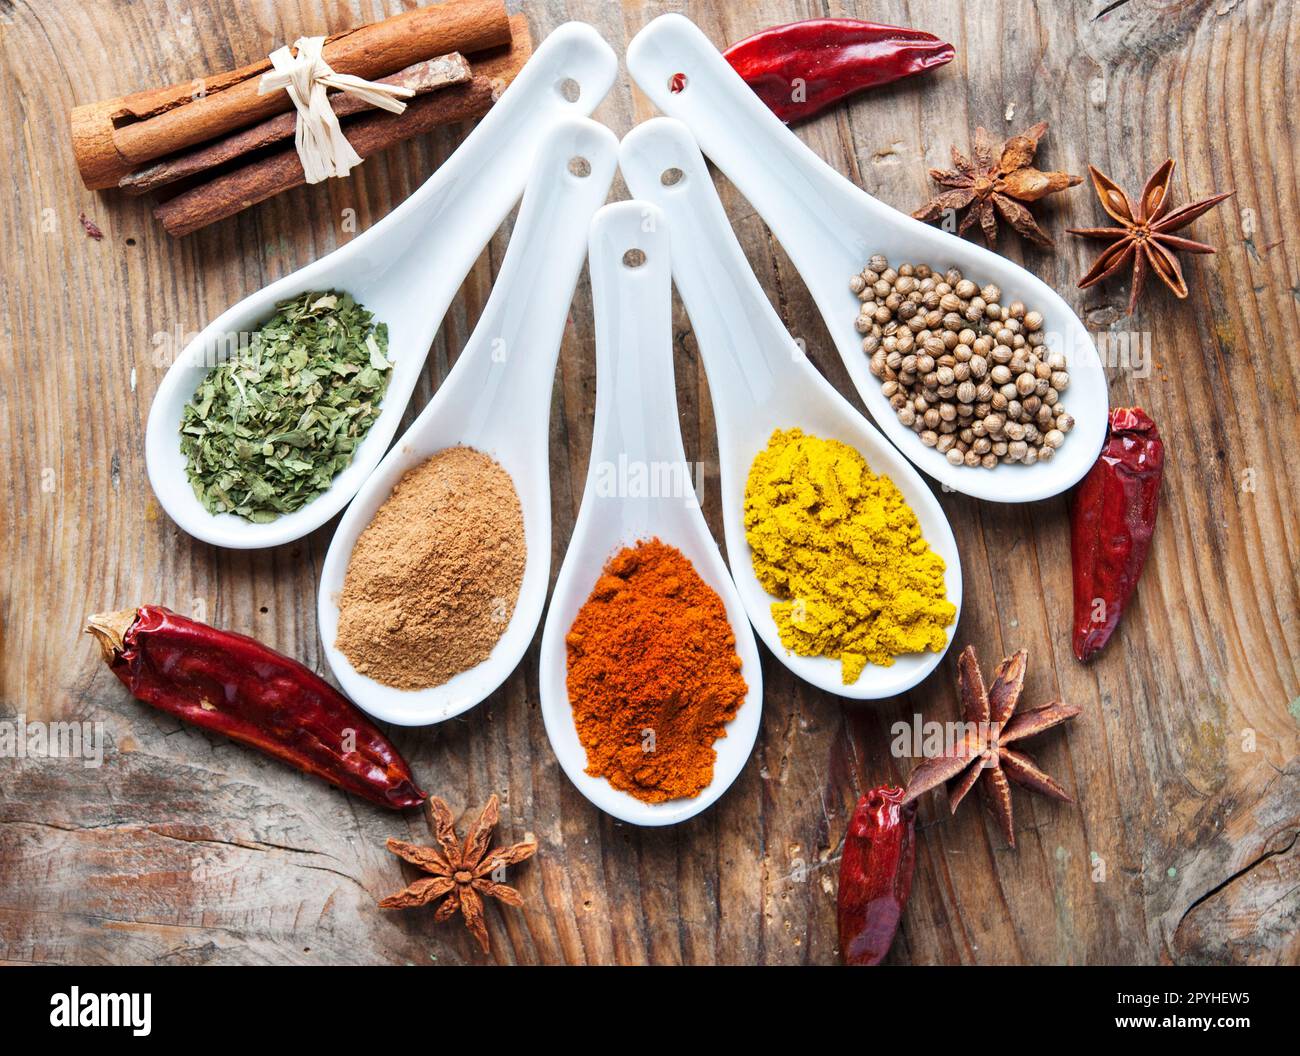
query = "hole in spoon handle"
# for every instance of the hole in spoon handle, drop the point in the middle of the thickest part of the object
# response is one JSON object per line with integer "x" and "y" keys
{"x": 687, "y": 78}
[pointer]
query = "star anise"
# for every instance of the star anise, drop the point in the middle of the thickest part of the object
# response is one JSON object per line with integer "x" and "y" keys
{"x": 1146, "y": 240}
{"x": 990, "y": 727}
{"x": 996, "y": 180}
{"x": 460, "y": 870}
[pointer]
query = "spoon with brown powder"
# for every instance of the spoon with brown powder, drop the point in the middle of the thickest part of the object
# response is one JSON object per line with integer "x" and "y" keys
{"x": 496, "y": 401}
{"x": 639, "y": 487}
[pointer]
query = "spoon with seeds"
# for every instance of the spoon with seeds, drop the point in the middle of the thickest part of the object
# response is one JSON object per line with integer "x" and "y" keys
{"x": 831, "y": 228}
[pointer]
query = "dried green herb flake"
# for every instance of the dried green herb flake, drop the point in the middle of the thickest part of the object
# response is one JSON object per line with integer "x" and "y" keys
{"x": 268, "y": 429}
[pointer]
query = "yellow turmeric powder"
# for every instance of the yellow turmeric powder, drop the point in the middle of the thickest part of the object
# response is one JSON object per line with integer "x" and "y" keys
{"x": 845, "y": 553}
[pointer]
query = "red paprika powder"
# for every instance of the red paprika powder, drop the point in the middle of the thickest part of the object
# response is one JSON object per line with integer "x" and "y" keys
{"x": 653, "y": 674}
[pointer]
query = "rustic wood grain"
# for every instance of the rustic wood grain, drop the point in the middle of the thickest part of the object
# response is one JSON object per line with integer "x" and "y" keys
{"x": 185, "y": 848}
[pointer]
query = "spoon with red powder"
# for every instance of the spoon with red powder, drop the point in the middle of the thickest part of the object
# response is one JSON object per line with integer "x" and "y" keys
{"x": 618, "y": 638}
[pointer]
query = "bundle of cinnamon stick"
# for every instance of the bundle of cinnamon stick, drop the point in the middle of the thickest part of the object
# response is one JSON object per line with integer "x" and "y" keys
{"x": 213, "y": 146}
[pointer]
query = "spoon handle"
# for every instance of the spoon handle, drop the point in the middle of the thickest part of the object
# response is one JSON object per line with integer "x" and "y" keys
{"x": 503, "y": 377}
{"x": 636, "y": 402}
{"x": 806, "y": 203}
{"x": 463, "y": 203}
{"x": 749, "y": 355}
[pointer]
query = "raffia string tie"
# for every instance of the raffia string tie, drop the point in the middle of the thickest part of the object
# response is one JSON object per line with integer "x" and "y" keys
{"x": 322, "y": 146}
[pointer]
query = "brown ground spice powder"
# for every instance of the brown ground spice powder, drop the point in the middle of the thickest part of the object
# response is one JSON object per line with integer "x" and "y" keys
{"x": 434, "y": 578}
{"x": 653, "y": 675}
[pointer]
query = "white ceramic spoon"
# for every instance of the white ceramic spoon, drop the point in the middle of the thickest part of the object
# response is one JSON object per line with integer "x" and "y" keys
{"x": 496, "y": 399}
{"x": 406, "y": 269}
{"x": 760, "y": 380}
{"x": 830, "y": 228}
{"x": 636, "y": 426}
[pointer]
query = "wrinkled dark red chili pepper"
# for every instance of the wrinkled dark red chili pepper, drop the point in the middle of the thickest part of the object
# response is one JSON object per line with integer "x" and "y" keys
{"x": 875, "y": 874}
{"x": 800, "y": 69}
{"x": 1112, "y": 516}
{"x": 235, "y": 685}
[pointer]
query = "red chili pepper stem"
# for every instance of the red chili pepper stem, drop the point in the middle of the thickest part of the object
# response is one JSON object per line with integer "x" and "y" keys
{"x": 876, "y": 869}
{"x": 801, "y": 68}
{"x": 1112, "y": 518}
{"x": 235, "y": 685}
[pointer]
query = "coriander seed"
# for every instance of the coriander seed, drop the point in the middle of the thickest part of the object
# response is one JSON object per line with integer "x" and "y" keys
{"x": 971, "y": 375}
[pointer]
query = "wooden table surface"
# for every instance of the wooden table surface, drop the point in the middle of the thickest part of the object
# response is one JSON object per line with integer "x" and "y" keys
{"x": 186, "y": 848}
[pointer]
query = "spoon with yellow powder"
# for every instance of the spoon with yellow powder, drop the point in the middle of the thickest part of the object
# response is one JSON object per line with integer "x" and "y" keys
{"x": 639, "y": 487}
{"x": 845, "y": 561}
{"x": 496, "y": 400}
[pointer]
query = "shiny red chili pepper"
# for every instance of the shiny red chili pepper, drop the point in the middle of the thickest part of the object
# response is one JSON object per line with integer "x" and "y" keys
{"x": 235, "y": 685}
{"x": 800, "y": 69}
{"x": 875, "y": 874}
{"x": 1112, "y": 516}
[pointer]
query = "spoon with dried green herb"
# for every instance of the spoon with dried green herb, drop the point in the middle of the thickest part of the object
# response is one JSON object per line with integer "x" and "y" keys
{"x": 239, "y": 470}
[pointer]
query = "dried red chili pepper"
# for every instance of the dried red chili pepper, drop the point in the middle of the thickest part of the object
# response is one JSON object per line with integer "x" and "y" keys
{"x": 801, "y": 68}
{"x": 1112, "y": 516}
{"x": 235, "y": 685}
{"x": 875, "y": 874}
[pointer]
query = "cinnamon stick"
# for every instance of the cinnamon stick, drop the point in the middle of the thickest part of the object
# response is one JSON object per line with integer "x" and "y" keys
{"x": 232, "y": 192}
{"x": 115, "y": 136}
{"x": 421, "y": 78}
